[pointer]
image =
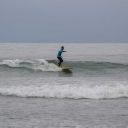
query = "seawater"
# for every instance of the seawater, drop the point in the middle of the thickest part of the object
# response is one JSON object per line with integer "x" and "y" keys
{"x": 98, "y": 79}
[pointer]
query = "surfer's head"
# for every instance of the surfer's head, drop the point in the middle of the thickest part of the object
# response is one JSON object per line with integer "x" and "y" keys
{"x": 62, "y": 47}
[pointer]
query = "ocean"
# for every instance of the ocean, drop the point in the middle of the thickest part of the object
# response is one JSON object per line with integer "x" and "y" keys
{"x": 35, "y": 93}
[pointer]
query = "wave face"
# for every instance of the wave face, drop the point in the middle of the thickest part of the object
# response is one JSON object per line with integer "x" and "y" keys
{"x": 79, "y": 68}
{"x": 112, "y": 90}
{"x": 50, "y": 65}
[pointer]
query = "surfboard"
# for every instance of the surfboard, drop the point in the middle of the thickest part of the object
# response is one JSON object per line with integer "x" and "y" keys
{"x": 65, "y": 68}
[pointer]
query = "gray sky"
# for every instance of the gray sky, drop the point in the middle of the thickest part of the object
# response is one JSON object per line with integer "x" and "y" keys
{"x": 64, "y": 21}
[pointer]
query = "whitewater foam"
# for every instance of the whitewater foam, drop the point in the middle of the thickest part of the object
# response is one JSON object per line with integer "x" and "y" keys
{"x": 113, "y": 90}
{"x": 38, "y": 64}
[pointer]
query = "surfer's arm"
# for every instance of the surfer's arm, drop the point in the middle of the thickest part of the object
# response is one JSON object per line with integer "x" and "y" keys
{"x": 64, "y": 51}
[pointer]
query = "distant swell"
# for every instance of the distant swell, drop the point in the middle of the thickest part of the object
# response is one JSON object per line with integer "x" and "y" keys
{"x": 107, "y": 91}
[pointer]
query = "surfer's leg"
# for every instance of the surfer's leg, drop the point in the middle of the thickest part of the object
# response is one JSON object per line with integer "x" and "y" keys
{"x": 61, "y": 60}
{"x": 59, "y": 64}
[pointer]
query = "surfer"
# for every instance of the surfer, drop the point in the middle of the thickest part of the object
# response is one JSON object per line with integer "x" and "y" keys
{"x": 59, "y": 55}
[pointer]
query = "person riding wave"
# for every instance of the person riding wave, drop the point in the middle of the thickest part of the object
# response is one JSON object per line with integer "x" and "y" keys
{"x": 59, "y": 56}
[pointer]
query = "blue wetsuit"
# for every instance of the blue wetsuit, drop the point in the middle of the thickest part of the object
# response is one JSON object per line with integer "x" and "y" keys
{"x": 59, "y": 53}
{"x": 59, "y": 57}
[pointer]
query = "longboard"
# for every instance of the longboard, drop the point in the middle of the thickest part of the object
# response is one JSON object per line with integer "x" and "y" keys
{"x": 65, "y": 68}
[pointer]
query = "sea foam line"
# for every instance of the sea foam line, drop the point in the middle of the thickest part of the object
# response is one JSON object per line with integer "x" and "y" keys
{"x": 67, "y": 91}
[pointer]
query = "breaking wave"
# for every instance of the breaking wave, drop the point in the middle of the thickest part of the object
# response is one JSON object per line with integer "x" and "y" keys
{"x": 111, "y": 90}
{"x": 38, "y": 65}
{"x": 50, "y": 65}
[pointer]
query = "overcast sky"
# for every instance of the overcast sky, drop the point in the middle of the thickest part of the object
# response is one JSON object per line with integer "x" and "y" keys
{"x": 64, "y": 21}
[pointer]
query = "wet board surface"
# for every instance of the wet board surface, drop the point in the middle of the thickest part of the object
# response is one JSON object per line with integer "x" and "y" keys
{"x": 65, "y": 68}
